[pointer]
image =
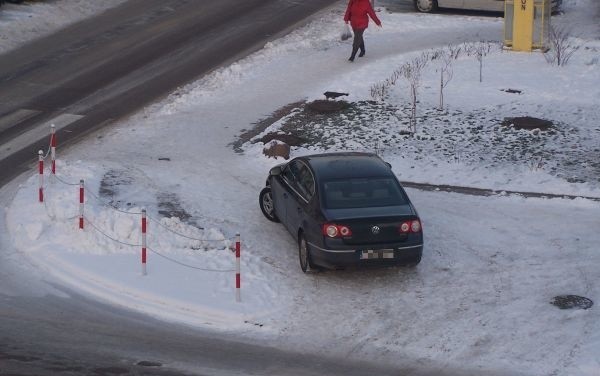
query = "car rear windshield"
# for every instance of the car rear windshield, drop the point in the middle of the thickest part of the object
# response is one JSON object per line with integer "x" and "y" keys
{"x": 362, "y": 193}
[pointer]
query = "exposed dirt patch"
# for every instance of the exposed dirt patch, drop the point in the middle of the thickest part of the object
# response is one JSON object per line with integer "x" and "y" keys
{"x": 110, "y": 183}
{"x": 169, "y": 205}
{"x": 290, "y": 139}
{"x": 572, "y": 302}
{"x": 484, "y": 137}
{"x": 512, "y": 91}
{"x": 528, "y": 123}
{"x": 326, "y": 106}
{"x": 263, "y": 124}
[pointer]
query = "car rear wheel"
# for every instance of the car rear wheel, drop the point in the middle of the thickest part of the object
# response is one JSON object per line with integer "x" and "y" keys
{"x": 426, "y": 6}
{"x": 265, "y": 200}
{"x": 414, "y": 262}
{"x": 304, "y": 254}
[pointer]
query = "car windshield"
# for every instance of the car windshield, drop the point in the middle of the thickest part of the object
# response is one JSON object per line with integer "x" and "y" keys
{"x": 362, "y": 193}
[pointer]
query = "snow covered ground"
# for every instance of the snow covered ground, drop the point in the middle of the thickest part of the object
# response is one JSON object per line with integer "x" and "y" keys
{"x": 480, "y": 299}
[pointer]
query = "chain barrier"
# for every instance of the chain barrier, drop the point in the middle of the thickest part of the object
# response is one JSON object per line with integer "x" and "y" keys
{"x": 187, "y": 265}
{"x": 154, "y": 251}
{"x": 59, "y": 179}
{"x": 49, "y": 150}
{"x": 108, "y": 236}
{"x": 47, "y": 209}
{"x": 47, "y": 154}
{"x": 45, "y": 186}
{"x": 88, "y": 190}
{"x": 182, "y": 235}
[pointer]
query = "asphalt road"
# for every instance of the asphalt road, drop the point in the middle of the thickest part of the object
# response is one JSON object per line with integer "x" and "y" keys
{"x": 105, "y": 68}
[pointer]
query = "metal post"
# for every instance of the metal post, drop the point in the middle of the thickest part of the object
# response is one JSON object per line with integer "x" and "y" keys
{"x": 144, "y": 242}
{"x": 81, "y": 198}
{"x": 238, "y": 281}
{"x": 41, "y": 173}
{"x": 53, "y": 148}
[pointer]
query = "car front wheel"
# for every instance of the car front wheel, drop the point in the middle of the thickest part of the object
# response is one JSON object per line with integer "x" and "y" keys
{"x": 426, "y": 6}
{"x": 265, "y": 200}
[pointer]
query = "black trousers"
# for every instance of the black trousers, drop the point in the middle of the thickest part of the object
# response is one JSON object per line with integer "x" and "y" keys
{"x": 359, "y": 42}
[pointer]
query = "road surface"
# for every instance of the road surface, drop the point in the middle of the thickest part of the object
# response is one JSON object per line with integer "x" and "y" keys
{"x": 105, "y": 68}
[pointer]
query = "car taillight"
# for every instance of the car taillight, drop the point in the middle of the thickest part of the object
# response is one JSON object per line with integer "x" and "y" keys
{"x": 336, "y": 231}
{"x": 410, "y": 226}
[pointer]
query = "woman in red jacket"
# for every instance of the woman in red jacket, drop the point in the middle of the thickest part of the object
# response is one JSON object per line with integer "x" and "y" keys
{"x": 358, "y": 13}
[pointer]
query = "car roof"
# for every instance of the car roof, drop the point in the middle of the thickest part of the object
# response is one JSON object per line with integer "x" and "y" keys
{"x": 347, "y": 165}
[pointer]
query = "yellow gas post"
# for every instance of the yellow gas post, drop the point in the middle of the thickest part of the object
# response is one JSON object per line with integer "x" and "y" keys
{"x": 523, "y": 25}
{"x": 526, "y": 23}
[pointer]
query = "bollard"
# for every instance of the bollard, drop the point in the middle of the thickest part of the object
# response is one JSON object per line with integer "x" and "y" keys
{"x": 143, "y": 241}
{"x": 238, "y": 281}
{"x": 53, "y": 148}
{"x": 41, "y": 171}
{"x": 81, "y": 195}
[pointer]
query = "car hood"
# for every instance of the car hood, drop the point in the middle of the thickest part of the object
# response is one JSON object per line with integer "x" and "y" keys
{"x": 372, "y": 212}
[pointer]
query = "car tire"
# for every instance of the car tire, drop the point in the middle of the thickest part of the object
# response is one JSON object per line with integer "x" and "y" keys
{"x": 304, "y": 255}
{"x": 426, "y": 6}
{"x": 267, "y": 206}
{"x": 414, "y": 262}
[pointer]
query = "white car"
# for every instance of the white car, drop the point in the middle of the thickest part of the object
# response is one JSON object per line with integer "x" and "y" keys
{"x": 428, "y": 6}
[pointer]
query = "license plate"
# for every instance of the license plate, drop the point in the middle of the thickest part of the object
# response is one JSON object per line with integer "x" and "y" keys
{"x": 370, "y": 254}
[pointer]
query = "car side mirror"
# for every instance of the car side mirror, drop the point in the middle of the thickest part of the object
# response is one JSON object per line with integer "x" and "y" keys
{"x": 275, "y": 171}
{"x": 388, "y": 164}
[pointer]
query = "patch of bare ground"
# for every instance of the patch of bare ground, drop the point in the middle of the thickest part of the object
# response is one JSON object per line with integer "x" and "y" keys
{"x": 486, "y": 138}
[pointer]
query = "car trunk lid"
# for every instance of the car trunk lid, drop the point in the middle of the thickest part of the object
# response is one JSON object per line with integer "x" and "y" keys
{"x": 373, "y": 225}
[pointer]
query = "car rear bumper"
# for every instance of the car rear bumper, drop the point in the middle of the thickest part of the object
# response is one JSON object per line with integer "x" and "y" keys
{"x": 387, "y": 256}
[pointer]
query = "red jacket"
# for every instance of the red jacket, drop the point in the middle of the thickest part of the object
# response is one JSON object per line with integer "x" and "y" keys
{"x": 358, "y": 13}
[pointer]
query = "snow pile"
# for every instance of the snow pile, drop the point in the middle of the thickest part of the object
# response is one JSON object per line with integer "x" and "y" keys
{"x": 107, "y": 251}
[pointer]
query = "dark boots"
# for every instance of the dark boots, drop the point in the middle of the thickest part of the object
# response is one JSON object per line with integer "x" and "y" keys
{"x": 358, "y": 43}
{"x": 354, "y": 50}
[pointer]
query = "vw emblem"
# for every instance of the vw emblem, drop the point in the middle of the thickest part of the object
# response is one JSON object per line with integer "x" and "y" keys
{"x": 375, "y": 230}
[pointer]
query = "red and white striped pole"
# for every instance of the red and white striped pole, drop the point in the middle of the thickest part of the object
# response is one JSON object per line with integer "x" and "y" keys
{"x": 41, "y": 171}
{"x": 238, "y": 279}
{"x": 143, "y": 241}
{"x": 81, "y": 196}
{"x": 53, "y": 148}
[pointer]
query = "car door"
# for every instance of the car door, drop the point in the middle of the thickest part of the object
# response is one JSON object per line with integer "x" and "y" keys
{"x": 281, "y": 189}
{"x": 302, "y": 188}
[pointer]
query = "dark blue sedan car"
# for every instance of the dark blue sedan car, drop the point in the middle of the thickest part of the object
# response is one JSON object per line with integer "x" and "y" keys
{"x": 344, "y": 209}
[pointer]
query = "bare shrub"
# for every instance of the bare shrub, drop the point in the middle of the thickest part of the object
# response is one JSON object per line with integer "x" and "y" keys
{"x": 379, "y": 91}
{"x": 412, "y": 71}
{"x": 445, "y": 57}
{"x": 535, "y": 162}
{"x": 562, "y": 46}
{"x": 480, "y": 50}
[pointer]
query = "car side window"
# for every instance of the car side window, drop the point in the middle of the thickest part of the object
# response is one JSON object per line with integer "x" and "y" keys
{"x": 300, "y": 179}
{"x": 306, "y": 181}
{"x": 288, "y": 174}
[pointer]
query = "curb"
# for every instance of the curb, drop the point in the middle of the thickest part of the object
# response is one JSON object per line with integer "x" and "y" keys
{"x": 488, "y": 192}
